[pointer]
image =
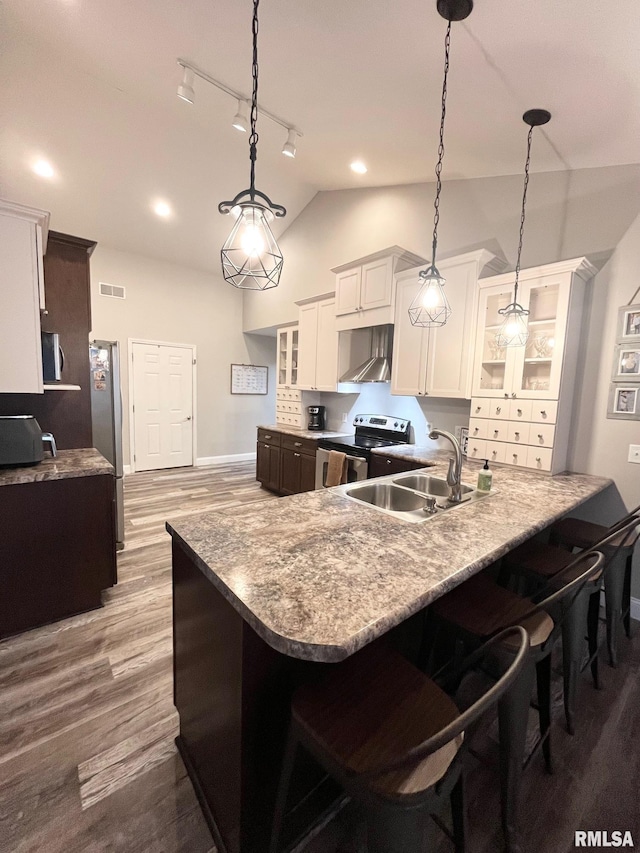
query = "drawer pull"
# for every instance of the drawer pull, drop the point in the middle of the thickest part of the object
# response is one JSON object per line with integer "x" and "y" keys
{"x": 543, "y": 412}
{"x": 513, "y": 394}
{"x": 475, "y": 430}
{"x": 494, "y": 453}
{"x": 297, "y": 444}
{"x": 498, "y": 409}
{"x": 538, "y": 459}
{"x": 519, "y": 413}
{"x": 478, "y": 408}
{"x": 296, "y": 454}
{"x": 268, "y": 437}
{"x": 506, "y": 395}
{"x": 495, "y": 433}
{"x": 517, "y": 435}
{"x": 388, "y": 462}
{"x": 515, "y": 456}
{"x": 267, "y": 446}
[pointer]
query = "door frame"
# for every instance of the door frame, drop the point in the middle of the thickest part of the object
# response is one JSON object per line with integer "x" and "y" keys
{"x": 194, "y": 396}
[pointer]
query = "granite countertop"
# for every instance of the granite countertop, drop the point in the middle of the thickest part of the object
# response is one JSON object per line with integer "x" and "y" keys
{"x": 318, "y": 576}
{"x": 303, "y": 433}
{"x": 83, "y": 462}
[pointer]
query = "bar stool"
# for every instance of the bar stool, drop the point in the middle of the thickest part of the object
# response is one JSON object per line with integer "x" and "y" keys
{"x": 393, "y": 739}
{"x": 479, "y": 608}
{"x": 617, "y": 543}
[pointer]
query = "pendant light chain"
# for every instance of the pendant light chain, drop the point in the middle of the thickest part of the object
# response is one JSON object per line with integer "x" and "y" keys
{"x": 253, "y": 138}
{"x": 524, "y": 204}
{"x": 436, "y": 203}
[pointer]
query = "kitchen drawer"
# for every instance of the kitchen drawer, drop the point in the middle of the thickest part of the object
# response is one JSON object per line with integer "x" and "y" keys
{"x": 496, "y": 451}
{"x": 289, "y": 408}
{"x": 516, "y": 455}
{"x": 544, "y": 411}
{"x": 520, "y": 410}
{"x": 289, "y": 395}
{"x": 497, "y": 430}
{"x": 539, "y": 458}
{"x": 270, "y": 436}
{"x": 476, "y": 448}
{"x": 289, "y": 420}
{"x": 478, "y": 428}
{"x": 541, "y": 435}
{"x": 299, "y": 445}
{"x": 480, "y": 407}
{"x": 499, "y": 409}
{"x": 518, "y": 433}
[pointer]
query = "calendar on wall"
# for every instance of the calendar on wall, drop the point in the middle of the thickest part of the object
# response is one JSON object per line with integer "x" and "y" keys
{"x": 249, "y": 379}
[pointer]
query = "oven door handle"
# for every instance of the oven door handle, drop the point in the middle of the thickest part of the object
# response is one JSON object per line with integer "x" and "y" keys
{"x": 356, "y": 458}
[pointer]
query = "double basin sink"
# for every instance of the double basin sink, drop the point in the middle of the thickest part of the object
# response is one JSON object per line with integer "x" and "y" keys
{"x": 413, "y": 497}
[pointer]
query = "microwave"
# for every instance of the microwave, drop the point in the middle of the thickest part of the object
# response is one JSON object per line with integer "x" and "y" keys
{"x": 52, "y": 357}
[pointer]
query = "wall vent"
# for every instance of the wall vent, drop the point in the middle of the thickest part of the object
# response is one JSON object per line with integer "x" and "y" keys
{"x": 114, "y": 290}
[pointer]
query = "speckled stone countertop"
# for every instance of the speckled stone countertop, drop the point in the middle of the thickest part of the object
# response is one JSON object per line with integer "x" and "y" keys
{"x": 84, "y": 462}
{"x": 303, "y": 433}
{"x": 318, "y": 576}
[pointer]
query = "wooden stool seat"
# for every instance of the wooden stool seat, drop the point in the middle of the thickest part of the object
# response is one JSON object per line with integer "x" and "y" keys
{"x": 371, "y": 711}
{"x": 481, "y": 608}
{"x": 577, "y": 533}
{"x": 545, "y": 561}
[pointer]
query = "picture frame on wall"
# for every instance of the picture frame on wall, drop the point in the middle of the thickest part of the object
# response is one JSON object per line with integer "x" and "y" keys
{"x": 624, "y": 402}
{"x": 626, "y": 364}
{"x": 629, "y": 323}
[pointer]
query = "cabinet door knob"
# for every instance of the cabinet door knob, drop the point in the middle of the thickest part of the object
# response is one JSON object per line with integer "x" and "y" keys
{"x": 478, "y": 408}
{"x": 498, "y": 409}
{"x": 267, "y": 446}
{"x": 513, "y": 394}
{"x": 538, "y": 459}
{"x": 540, "y": 436}
{"x": 519, "y": 412}
{"x": 515, "y": 456}
{"x": 506, "y": 395}
{"x": 495, "y": 433}
{"x": 517, "y": 435}
{"x": 543, "y": 413}
{"x": 475, "y": 431}
{"x": 296, "y": 454}
{"x": 388, "y": 462}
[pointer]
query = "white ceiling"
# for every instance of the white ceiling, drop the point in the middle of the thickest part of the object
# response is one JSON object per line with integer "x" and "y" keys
{"x": 91, "y": 86}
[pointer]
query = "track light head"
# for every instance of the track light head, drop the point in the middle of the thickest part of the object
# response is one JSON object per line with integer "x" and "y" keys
{"x": 289, "y": 148}
{"x": 185, "y": 89}
{"x": 240, "y": 118}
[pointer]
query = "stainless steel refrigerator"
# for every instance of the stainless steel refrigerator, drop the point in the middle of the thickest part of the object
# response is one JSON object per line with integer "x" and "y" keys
{"x": 106, "y": 416}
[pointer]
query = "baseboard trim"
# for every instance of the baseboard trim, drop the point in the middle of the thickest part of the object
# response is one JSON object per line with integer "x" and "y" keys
{"x": 635, "y": 608}
{"x": 205, "y": 461}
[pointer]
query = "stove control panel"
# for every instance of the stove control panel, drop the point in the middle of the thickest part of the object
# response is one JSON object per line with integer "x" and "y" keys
{"x": 382, "y": 422}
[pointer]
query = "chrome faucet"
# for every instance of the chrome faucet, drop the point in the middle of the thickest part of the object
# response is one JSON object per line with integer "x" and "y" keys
{"x": 454, "y": 473}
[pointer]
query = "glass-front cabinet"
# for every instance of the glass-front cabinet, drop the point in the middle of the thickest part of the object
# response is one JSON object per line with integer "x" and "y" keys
{"x": 288, "y": 357}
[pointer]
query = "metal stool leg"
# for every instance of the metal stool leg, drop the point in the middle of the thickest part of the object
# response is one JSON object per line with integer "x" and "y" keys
{"x": 593, "y": 621}
{"x": 626, "y": 600}
{"x": 288, "y": 762}
{"x": 543, "y": 675}
{"x": 513, "y": 713}
{"x": 613, "y": 588}
{"x": 394, "y": 830}
{"x": 573, "y": 633}
{"x": 459, "y": 816}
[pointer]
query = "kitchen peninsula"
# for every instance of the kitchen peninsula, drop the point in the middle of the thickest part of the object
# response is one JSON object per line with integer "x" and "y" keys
{"x": 269, "y": 594}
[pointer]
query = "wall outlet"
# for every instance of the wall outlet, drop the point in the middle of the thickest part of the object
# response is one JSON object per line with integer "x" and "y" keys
{"x": 345, "y": 416}
{"x": 634, "y": 453}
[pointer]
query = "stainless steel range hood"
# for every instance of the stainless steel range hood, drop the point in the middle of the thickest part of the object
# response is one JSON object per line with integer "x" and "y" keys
{"x": 377, "y": 368}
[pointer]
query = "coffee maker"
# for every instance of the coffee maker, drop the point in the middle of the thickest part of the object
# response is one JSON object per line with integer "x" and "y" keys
{"x": 316, "y": 417}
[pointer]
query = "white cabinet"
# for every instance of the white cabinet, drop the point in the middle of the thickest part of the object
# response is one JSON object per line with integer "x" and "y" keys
{"x": 23, "y": 234}
{"x": 523, "y": 396}
{"x": 287, "y": 357}
{"x": 438, "y": 362}
{"x": 365, "y": 289}
{"x": 318, "y": 344}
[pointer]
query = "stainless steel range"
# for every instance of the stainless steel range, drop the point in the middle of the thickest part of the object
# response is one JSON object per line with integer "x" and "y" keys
{"x": 371, "y": 431}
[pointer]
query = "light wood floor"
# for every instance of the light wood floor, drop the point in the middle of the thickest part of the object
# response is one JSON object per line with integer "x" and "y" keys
{"x": 87, "y": 760}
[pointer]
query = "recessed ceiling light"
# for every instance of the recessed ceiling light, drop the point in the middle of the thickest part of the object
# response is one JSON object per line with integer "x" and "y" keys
{"x": 43, "y": 168}
{"x": 359, "y": 167}
{"x": 163, "y": 209}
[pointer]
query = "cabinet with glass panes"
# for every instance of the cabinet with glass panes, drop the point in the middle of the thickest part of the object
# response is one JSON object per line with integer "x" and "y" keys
{"x": 288, "y": 357}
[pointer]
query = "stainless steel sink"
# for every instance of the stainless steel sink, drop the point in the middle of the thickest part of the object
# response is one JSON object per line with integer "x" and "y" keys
{"x": 431, "y": 485}
{"x": 398, "y": 495}
{"x": 387, "y": 496}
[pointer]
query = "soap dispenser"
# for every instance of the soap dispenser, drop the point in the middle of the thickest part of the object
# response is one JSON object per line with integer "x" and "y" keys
{"x": 485, "y": 477}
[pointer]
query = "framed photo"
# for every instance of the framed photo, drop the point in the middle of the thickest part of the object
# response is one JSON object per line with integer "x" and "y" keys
{"x": 624, "y": 402}
{"x": 629, "y": 323}
{"x": 626, "y": 365}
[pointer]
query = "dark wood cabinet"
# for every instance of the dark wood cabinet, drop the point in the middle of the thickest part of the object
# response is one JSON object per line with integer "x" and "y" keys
{"x": 381, "y": 465}
{"x": 58, "y": 550}
{"x": 295, "y": 459}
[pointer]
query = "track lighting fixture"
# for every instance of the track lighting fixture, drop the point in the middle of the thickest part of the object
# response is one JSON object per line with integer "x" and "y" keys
{"x": 514, "y": 331}
{"x": 289, "y": 148}
{"x": 251, "y": 259}
{"x": 240, "y": 118}
{"x": 185, "y": 89}
{"x": 431, "y": 308}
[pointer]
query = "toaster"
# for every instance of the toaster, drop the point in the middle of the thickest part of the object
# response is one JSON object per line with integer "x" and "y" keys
{"x": 22, "y": 441}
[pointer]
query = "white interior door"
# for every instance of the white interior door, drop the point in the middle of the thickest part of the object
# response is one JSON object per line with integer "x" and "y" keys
{"x": 162, "y": 406}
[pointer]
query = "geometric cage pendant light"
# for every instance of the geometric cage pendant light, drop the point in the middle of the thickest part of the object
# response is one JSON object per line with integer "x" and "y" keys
{"x": 430, "y": 307}
{"x": 514, "y": 330}
{"x": 251, "y": 259}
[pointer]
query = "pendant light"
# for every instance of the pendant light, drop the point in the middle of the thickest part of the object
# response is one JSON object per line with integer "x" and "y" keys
{"x": 431, "y": 307}
{"x": 514, "y": 330}
{"x": 251, "y": 259}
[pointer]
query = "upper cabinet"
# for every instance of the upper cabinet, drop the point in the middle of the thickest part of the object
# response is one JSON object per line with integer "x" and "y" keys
{"x": 438, "y": 362}
{"x": 23, "y": 236}
{"x": 318, "y": 348}
{"x": 365, "y": 289}
{"x": 288, "y": 357}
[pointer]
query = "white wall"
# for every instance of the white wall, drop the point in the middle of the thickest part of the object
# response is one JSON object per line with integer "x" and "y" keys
{"x": 602, "y": 444}
{"x": 174, "y": 304}
{"x": 569, "y": 214}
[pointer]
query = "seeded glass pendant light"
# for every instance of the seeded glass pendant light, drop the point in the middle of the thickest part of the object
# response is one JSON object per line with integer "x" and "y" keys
{"x": 514, "y": 331}
{"x": 431, "y": 307}
{"x": 251, "y": 259}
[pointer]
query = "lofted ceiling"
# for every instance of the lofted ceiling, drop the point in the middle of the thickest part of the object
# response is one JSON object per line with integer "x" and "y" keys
{"x": 90, "y": 85}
